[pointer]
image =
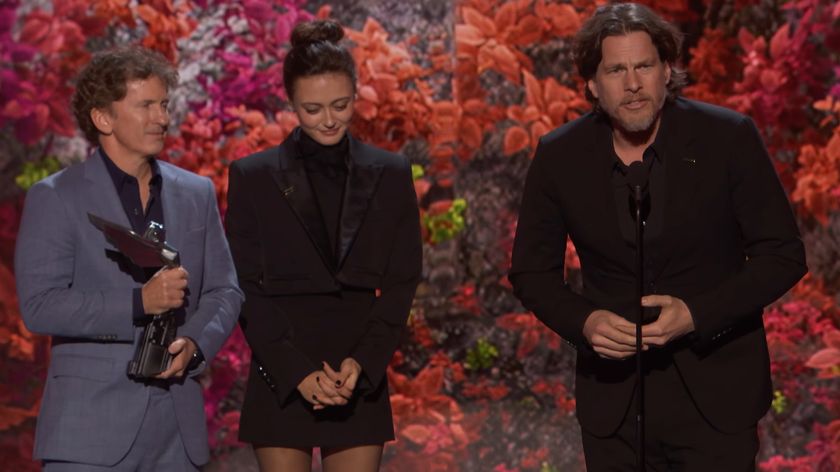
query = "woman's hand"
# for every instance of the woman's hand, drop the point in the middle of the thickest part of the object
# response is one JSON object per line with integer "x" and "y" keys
{"x": 344, "y": 381}
{"x": 316, "y": 389}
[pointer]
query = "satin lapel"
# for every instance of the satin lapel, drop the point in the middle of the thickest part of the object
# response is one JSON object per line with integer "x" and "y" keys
{"x": 100, "y": 193}
{"x": 358, "y": 190}
{"x": 294, "y": 185}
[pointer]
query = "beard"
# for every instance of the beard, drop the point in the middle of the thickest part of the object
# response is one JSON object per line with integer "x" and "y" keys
{"x": 636, "y": 121}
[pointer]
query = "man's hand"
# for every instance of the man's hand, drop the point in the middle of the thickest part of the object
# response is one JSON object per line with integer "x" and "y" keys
{"x": 344, "y": 381}
{"x": 164, "y": 291}
{"x": 182, "y": 349}
{"x": 674, "y": 320}
{"x": 610, "y": 335}
{"x": 316, "y": 389}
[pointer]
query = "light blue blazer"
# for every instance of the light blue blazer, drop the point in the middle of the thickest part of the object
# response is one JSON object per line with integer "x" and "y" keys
{"x": 71, "y": 288}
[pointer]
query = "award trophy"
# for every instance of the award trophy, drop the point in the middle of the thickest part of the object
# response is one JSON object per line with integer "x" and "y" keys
{"x": 147, "y": 251}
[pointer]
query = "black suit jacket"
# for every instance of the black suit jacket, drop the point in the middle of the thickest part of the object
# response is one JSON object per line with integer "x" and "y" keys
{"x": 730, "y": 246}
{"x": 277, "y": 238}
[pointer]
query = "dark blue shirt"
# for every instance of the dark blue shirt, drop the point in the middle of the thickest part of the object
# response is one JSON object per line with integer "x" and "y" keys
{"x": 128, "y": 190}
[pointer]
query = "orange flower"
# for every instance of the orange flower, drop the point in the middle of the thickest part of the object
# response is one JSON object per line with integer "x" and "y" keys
{"x": 51, "y": 34}
{"x": 827, "y": 360}
{"x": 713, "y": 65}
{"x": 674, "y": 10}
{"x": 563, "y": 399}
{"x": 436, "y": 432}
{"x": 420, "y": 330}
{"x": 113, "y": 9}
{"x": 818, "y": 179}
{"x": 11, "y": 416}
{"x": 547, "y": 106}
{"x": 533, "y": 332}
{"x": 516, "y": 139}
{"x": 393, "y": 105}
{"x": 166, "y": 25}
{"x": 419, "y": 400}
{"x": 562, "y": 18}
{"x": 483, "y": 389}
{"x": 16, "y": 340}
{"x": 482, "y": 41}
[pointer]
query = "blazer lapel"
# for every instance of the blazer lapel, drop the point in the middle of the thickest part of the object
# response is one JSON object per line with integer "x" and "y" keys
{"x": 103, "y": 201}
{"x": 603, "y": 196}
{"x": 102, "y": 197}
{"x": 294, "y": 186}
{"x": 359, "y": 188}
{"x": 173, "y": 208}
{"x": 682, "y": 166}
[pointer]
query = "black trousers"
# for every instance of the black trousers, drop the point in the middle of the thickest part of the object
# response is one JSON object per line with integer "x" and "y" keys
{"x": 677, "y": 436}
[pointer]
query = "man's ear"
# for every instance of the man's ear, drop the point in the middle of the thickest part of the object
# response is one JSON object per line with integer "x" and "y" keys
{"x": 593, "y": 87}
{"x": 102, "y": 119}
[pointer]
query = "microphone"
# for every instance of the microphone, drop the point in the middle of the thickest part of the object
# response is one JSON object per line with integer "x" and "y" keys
{"x": 637, "y": 179}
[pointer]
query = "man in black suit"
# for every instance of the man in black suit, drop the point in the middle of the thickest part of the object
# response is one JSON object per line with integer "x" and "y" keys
{"x": 720, "y": 243}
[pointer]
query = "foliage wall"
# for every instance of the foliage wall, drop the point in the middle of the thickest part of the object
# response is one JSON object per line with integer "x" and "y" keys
{"x": 464, "y": 89}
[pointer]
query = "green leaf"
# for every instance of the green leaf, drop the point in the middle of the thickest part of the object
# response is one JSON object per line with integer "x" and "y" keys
{"x": 546, "y": 467}
{"x": 446, "y": 226}
{"x": 417, "y": 171}
{"x": 481, "y": 356}
{"x": 34, "y": 171}
{"x": 779, "y": 404}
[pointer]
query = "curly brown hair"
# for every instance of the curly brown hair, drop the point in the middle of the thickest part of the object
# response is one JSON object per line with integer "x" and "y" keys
{"x": 103, "y": 81}
{"x": 619, "y": 19}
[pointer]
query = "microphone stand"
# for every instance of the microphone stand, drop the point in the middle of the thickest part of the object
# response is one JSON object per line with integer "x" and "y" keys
{"x": 640, "y": 380}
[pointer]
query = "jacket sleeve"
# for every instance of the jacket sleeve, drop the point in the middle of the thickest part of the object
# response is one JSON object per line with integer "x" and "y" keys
{"x": 539, "y": 252}
{"x": 45, "y": 275}
{"x": 220, "y": 298}
{"x": 775, "y": 255}
{"x": 265, "y": 326}
{"x": 390, "y": 311}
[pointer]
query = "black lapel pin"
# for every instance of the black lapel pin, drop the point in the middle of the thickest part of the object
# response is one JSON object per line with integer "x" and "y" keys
{"x": 690, "y": 160}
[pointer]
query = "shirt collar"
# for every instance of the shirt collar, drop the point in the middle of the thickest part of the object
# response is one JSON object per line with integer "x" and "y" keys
{"x": 650, "y": 155}
{"x": 121, "y": 178}
{"x": 654, "y": 152}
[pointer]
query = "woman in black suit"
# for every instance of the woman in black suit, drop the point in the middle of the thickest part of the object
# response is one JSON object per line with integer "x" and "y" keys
{"x": 325, "y": 235}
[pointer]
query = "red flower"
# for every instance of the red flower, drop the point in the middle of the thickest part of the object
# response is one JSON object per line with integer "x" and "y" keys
{"x": 548, "y": 105}
{"x": 827, "y": 360}
{"x": 533, "y": 332}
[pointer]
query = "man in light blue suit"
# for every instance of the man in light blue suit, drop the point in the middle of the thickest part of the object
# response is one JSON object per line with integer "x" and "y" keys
{"x": 76, "y": 288}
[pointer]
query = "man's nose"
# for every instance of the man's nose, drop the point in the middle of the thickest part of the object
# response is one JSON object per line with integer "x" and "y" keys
{"x": 161, "y": 116}
{"x": 631, "y": 81}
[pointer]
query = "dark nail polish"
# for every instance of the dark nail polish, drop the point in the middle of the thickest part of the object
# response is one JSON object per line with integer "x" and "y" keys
{"x": 314, "y": 397}
{"x": 317, "y": 378}
{"x": 338, "y": 383}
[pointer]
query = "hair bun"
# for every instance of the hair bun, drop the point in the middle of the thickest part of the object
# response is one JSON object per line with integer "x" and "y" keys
{"x": 316, "y": 31}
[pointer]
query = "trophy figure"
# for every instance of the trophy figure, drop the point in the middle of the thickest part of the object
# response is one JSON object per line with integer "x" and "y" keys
{"x": 147, "y": 251}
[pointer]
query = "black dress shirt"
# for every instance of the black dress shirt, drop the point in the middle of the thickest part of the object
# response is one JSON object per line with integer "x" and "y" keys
{"x": 654, "y": 161}
{"x": 652, "y": 208}
{"x": 652, "y": 215}
{"x": 326, "y": 167}
{"x": 128, "y": 189}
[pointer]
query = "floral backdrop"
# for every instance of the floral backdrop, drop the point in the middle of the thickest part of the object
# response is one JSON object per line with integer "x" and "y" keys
{"x": 464, "y": 89}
